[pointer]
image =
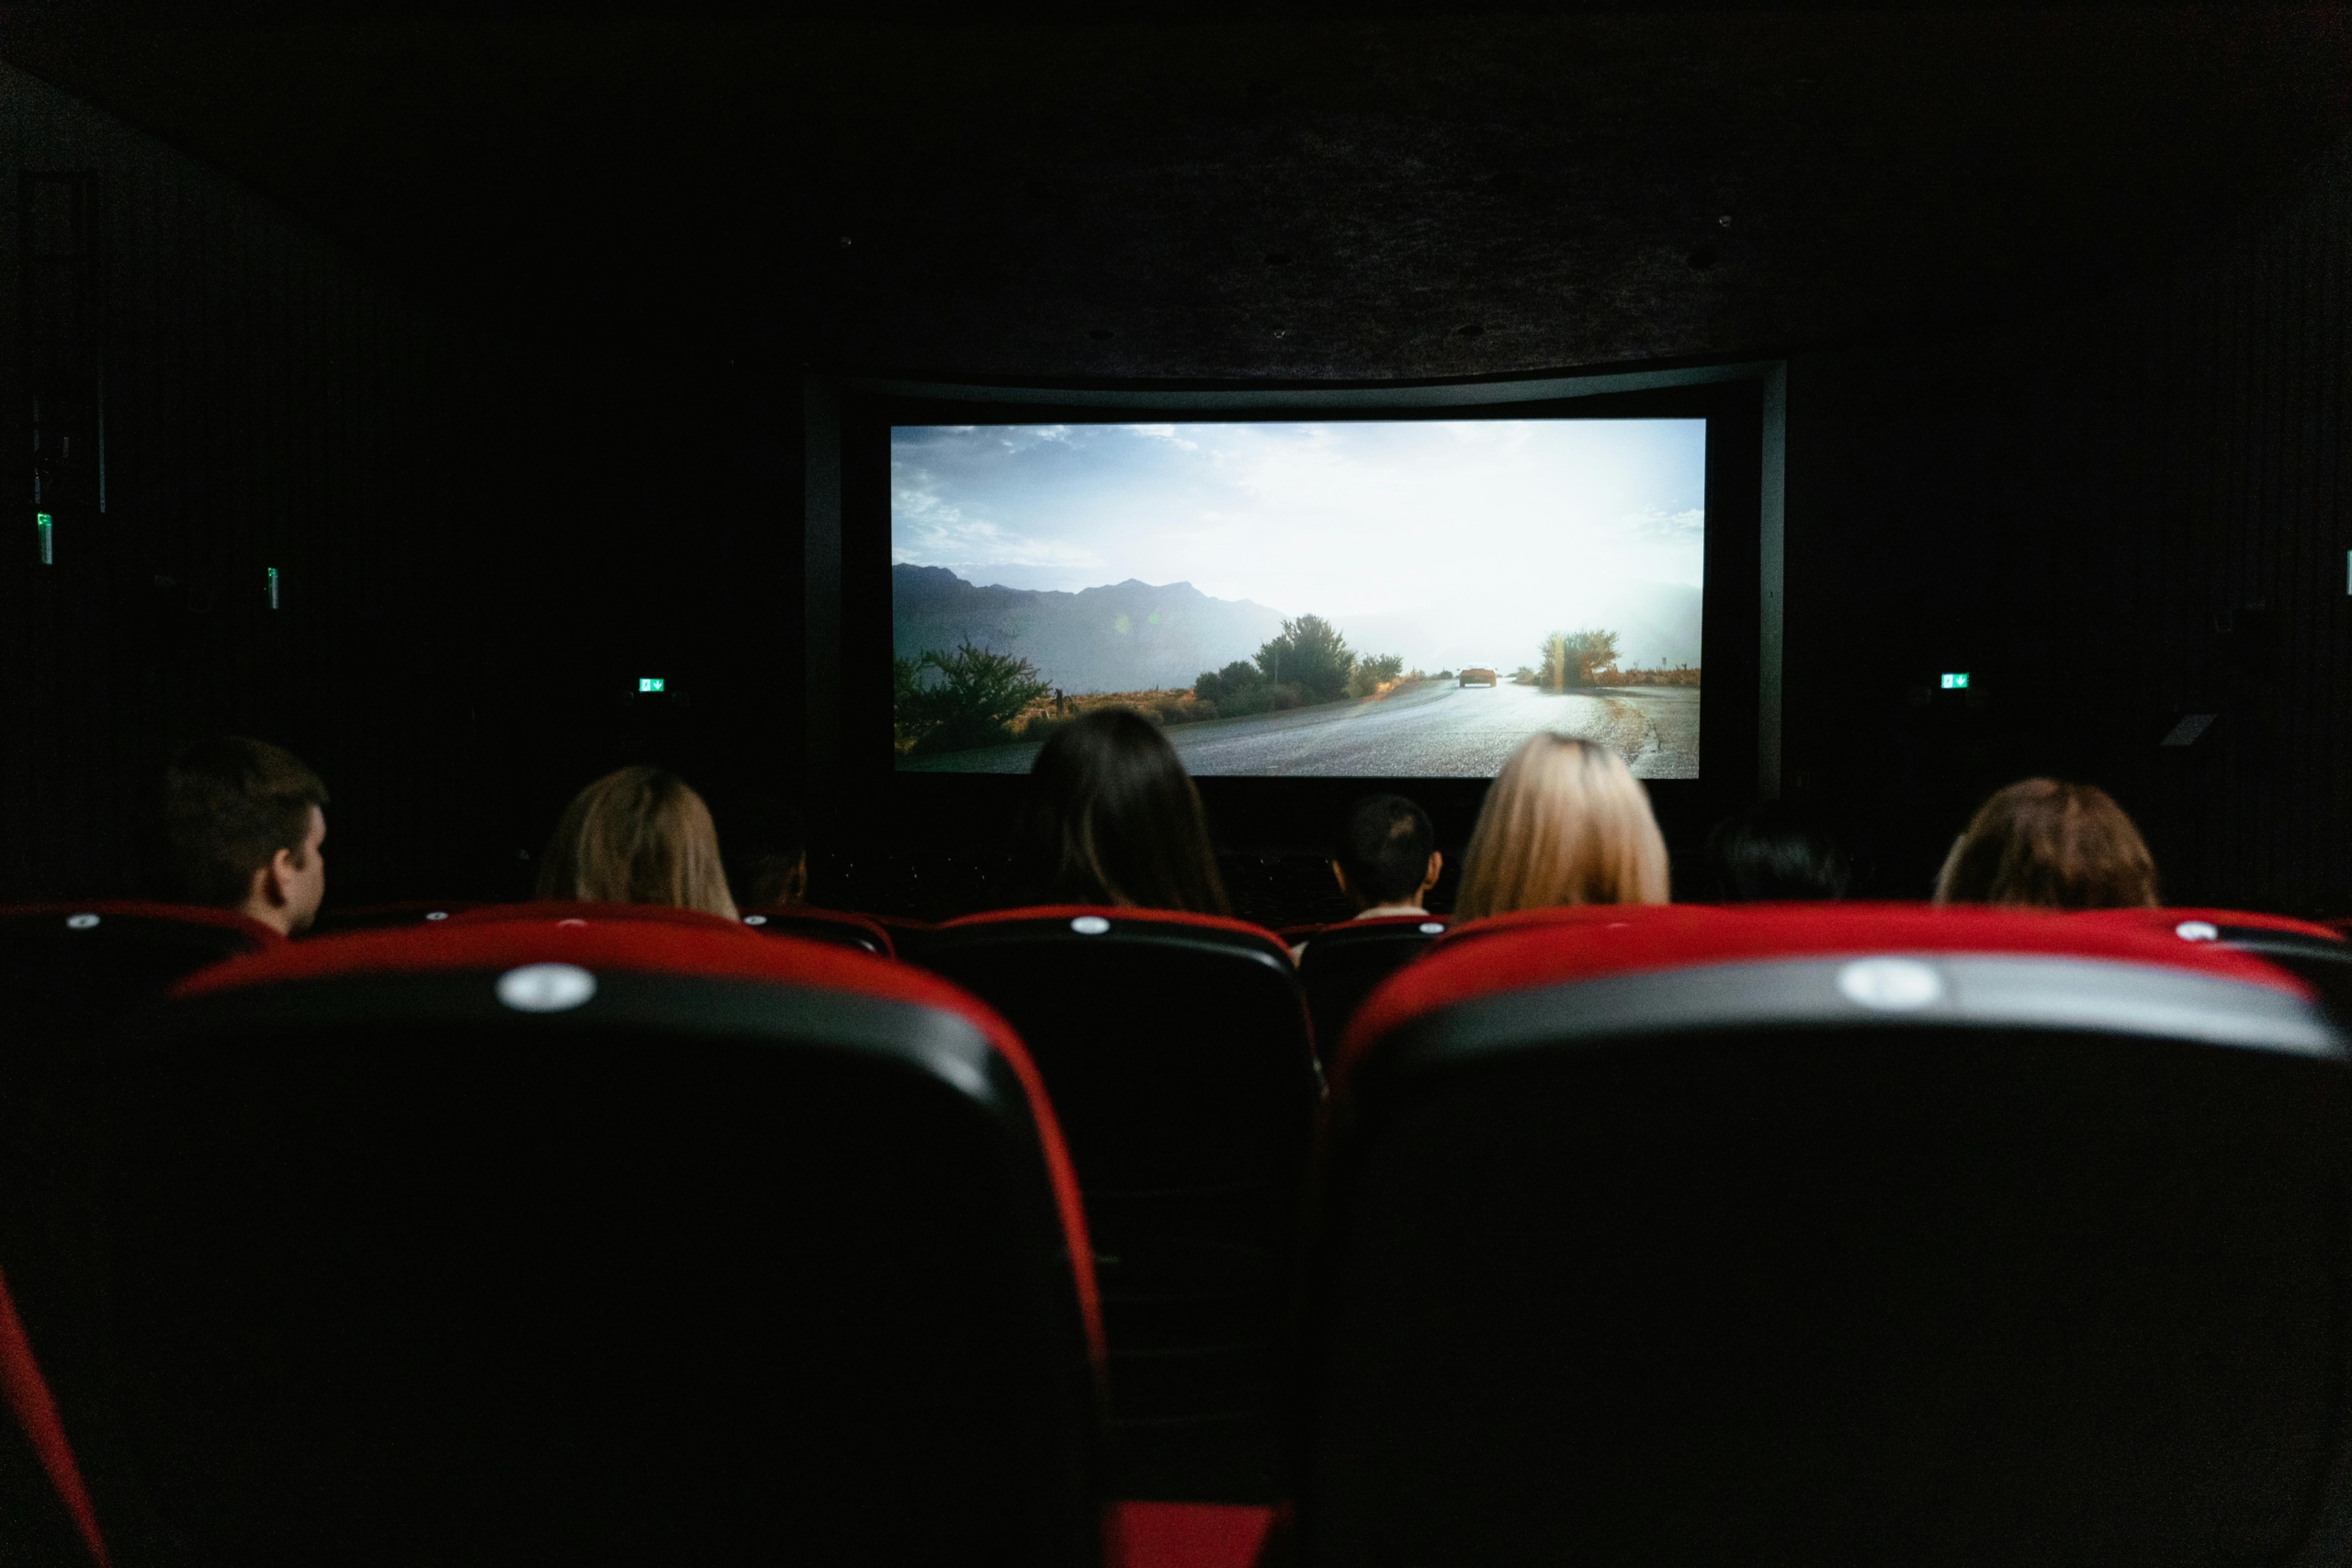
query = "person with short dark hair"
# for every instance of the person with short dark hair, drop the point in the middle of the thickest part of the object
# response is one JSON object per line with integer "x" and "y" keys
{"x": 767, "y": 852}
{"x": 1111, "y": 818}
{"x": 639, "y": 835}
{"x": 1386, "y": 859}
{"x": 1774, "y": 851}
{"x": 248, "y": 830}
{"x": 2047, "y": 844}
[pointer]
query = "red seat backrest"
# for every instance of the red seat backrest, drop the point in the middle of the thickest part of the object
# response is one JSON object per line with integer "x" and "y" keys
{"x": 1855, "y": 1233}
{"x": 837, "y": 927}
{"x": 1176, "y": 1049}
{"x": 596, "y": 1239}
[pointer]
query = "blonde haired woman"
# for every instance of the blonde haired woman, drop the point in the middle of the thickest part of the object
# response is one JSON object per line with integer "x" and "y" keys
{"x": 636, "y": 836}
{"x": 1565, "y": 822}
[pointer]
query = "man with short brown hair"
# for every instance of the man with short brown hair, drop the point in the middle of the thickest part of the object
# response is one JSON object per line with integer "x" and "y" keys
{"x": 247, "y": 831}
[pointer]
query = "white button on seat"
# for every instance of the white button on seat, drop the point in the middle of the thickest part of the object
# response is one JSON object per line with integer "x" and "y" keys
{"x": 546, "y": 988}
{"x": 1090, "y": 925}
{"x": 1890, "y": 985}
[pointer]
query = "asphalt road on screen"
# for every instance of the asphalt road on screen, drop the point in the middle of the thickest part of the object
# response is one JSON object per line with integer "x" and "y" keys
{"x": 1437, "y": 729}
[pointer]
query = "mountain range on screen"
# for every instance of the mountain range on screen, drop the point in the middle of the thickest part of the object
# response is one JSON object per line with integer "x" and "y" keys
{"x": 1126, "y": 637}
{"x": 1136, "y": 635}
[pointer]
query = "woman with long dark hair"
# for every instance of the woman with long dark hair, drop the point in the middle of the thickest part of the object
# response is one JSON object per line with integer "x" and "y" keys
{"x": 1111, "y": 818}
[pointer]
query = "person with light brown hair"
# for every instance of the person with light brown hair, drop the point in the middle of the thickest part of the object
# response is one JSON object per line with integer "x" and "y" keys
{"x": 2044, "y": 843}
{"x": 1565, "y": 822}
{"x": 636, "y": 836}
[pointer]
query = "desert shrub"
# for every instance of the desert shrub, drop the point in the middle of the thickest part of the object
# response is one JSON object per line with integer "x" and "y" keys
{"x": 906, "y": 688}
{"x": 1374, "y": 670}
{"x": 973, "y": 702}
{"x": 1043, "y": 726}
{"x": 1681, "y": 675}
{"x": 1203, "y": 709}
{"x": 1522, "y": 676}
{"x": 1311, "y": 655}
{"x": 1287, "y": 695}
{"x": 1577, "y": 658}
{"x": 1445, "y": 674}
{"x": 1222, "y": 686}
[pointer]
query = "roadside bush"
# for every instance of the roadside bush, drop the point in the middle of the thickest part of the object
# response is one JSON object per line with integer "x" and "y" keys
{"x": 1372, "y": 671}
{"x": 1228, "y": 685}
{"x": 1577, "y": 658}
{"x": 1311, "y": 655}
{"x": 1681, "y": 675}
{"x": 973, "y": 702}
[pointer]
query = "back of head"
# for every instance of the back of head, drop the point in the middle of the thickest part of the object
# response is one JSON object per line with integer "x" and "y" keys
{"x": 2043, "y": 843}
{"x": 231, "y": 804}
{"x": 1111, "y": 818}
{"x": 1774, "y": 851}
{"x": 636, "y": 836}
{"x": 766, "y": 846}
{"x": 1385, "y": 847}
{"x": 1565, "y": 822}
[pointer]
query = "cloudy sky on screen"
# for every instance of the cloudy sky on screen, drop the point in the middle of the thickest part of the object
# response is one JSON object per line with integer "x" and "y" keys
{"x": 1464, "y": 538}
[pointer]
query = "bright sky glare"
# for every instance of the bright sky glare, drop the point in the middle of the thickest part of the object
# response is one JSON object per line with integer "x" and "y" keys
{"x": 1464, "y": 538}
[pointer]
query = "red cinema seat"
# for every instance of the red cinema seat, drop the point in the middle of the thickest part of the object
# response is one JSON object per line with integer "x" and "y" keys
{"x": 64, "y": 963}
{"x": 335, "y": 919}
{"x": 2315, "y": 953}
{"x": 1853, "y": 1234}
{"x": 69, "y": 975}
{"x": 833, "y": 926}
{"x": 908, "y": 935}
{"x": 1176, "y": 1050}
{"x": 595, "y": 1240}
{"x": 1342, "y": 964}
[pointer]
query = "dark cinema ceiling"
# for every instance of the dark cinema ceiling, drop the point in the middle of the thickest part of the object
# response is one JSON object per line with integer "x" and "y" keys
{"x": 1316, "y": 193}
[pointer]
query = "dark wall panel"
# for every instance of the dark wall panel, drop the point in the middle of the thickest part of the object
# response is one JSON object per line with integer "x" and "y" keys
{"x": 2112, "y": 517}
{"x": 269, "y": 402}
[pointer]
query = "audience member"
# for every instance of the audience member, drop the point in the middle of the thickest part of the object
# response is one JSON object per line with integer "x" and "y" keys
{"x": 1111, "y": 818}
{"x": 2059, "y": 846}
{"x": 248, "y": 830}
{"x": 1387, "y": 859}
{"x": 636, "y": 836}
{"x": 1565, "y": 822}
{"x": 1774, "y": 851}
{"x": 767, "y": 852}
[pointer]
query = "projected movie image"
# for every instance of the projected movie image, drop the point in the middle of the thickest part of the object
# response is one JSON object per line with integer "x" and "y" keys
{"x": 1349, "y": 599}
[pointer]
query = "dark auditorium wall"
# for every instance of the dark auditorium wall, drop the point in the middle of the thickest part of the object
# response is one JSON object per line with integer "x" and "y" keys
{"x": 2112, "y": 514}
{"x": 267, "y": 402}
{"x": 478, "y": 544}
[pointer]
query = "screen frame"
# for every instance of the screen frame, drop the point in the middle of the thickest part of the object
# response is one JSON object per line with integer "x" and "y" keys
{"x": 855, "y": 787}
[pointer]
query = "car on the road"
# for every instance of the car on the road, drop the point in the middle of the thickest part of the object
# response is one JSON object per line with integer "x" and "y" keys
{"x": 1478, "y": 678}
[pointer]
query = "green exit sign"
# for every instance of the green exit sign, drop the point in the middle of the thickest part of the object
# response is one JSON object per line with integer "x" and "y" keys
{"x": 1956, "y": 681}
{"x": 649, "y": 683}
